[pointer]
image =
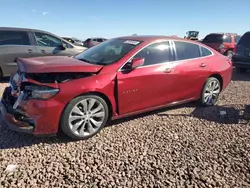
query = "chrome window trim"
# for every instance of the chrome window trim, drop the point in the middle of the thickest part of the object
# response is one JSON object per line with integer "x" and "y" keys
{"x": 173, "y": 50}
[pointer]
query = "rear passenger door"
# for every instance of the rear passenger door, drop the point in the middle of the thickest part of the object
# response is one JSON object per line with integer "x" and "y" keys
{"x": 192, "y": 67}
{"x": 48, "y": 45}
{"x": 14, "y": 43}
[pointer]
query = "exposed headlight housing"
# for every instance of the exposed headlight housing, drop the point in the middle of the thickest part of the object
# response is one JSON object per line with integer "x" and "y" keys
{"x": 40, "y": 92}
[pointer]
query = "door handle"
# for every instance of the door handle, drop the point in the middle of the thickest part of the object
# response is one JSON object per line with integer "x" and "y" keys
{"x": 29, "y": 51}
{"x": 43, "y": 51}
{"x": 203, "y": 65}
{"x": 168, "y": 70}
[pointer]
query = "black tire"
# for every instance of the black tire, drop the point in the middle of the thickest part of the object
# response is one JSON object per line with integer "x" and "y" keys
{"x": 64, "y": 125}
{"x": 229, "y": 54}
{"x": 202, "y": 98}
{"x": 240, "y": 69}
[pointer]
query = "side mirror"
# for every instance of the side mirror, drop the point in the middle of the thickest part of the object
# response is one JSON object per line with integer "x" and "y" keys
{"x": 137, "y": 62}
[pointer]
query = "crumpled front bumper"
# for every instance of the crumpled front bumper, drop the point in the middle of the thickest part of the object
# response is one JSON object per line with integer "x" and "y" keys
{"x": 8, "y": 114}
{"x": 37, "y": 117}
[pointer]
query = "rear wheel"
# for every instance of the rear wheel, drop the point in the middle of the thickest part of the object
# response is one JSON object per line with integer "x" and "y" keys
{"x": 240, "y": 69}
{"x": 210, "y": 92}
{"x": 84, "y": 117}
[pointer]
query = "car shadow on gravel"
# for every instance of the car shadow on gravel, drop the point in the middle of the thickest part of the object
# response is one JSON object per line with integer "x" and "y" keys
{"x": 219, "y": 114}
{"x": 10, "y": 139}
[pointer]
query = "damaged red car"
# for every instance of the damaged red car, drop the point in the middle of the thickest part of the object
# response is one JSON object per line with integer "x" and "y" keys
{"x": 120, "y": 77}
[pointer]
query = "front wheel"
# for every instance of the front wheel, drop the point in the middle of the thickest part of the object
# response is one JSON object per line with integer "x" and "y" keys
{"x": 84, "y": 117}
{"x": 210, "y": 92}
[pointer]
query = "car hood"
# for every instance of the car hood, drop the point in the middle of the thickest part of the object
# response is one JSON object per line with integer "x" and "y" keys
{"x": 50, "y": 64}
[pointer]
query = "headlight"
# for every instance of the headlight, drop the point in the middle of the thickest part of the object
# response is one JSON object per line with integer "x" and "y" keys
{"x": 40, "y": 92}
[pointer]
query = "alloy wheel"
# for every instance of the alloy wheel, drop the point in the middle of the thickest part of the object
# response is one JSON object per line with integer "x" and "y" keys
{"x": 212, "y": 91}
{"x": 86, "y": 117}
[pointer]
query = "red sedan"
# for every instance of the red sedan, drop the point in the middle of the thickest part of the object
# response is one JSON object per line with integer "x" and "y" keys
{"x": 117, "y": 78}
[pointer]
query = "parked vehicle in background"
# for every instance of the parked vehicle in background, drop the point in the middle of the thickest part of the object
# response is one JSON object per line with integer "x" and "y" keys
{"x": 192, "y": 35}
{"x": 120, "y": 77}
{"x": 21, "y": 42}
{"x": 241, "y": 58}
{"x": 90, "y": 42}
{"x": 224, "y": 43}
{"x": 73, "y": 40}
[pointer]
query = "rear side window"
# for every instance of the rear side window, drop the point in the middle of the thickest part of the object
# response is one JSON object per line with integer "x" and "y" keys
{"x": 205, "y": 52}
{"x": 245, "y": 40}
{"x": 213, "y": 38}
{"x": 186, "y": 50}
{"x": 14, "y": 38}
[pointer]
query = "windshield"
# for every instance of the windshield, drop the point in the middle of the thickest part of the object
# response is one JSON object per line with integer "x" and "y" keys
{"x": 108, "y": 52}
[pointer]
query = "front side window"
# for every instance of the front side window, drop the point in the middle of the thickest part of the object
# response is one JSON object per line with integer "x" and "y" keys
{"x": 108, "y": 52}
{"x": 44, "y": 39}
{"x": 156, "y": 53}
{"x": 14, "y": 38}
{"x": 186, "y": 50}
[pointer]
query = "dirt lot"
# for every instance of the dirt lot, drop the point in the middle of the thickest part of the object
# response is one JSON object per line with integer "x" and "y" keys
{"x": 183, "y": 146}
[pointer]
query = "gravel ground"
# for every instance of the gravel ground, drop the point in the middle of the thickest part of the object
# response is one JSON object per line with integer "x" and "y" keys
{"x": 183, "y": 146}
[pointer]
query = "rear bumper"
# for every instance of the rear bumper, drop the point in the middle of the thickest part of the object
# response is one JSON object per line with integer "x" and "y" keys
{"x": 33, "y": 116}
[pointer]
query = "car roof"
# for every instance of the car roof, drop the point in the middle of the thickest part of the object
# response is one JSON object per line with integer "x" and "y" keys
{"x": 20, "y": 28}
{"x": 151, "y": 38}
{"x": 223, "y": 33}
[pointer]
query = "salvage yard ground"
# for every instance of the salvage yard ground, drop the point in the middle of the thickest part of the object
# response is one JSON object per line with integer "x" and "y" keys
{"x": 178, "y": 146}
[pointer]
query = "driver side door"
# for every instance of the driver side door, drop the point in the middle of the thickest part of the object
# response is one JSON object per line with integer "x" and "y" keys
{"x": 149, "y": 85}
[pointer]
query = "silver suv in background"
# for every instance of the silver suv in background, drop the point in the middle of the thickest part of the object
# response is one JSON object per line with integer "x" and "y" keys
{"x": 90, "y": 42}
{"x": 24, "y": 42}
